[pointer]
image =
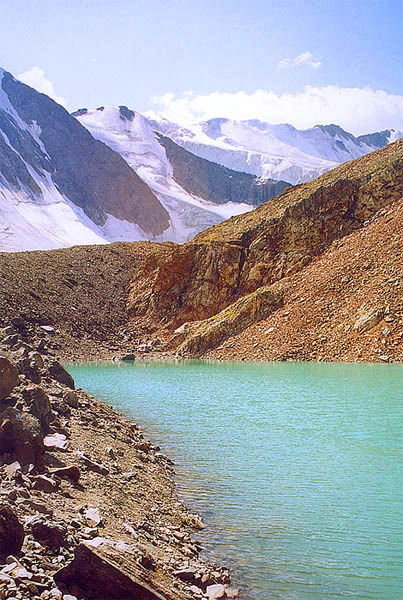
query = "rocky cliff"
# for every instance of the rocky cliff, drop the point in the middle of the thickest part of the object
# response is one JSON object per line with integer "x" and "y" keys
{"x": 216, "y": 183}
{"x": 247, "y": 253}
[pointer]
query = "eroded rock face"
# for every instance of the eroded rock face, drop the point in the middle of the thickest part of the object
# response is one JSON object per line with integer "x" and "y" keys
{"x": 278, "y": 239}
{"x": 8, "y": 377}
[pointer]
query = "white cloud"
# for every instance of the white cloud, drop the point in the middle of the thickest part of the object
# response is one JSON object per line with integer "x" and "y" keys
{"x": 35, "y": 78}
{"x": 358, "y": 110}
{"x": 305, "y": 59}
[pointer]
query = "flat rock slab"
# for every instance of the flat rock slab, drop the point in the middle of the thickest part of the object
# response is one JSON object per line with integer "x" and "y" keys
{"x": 108, "y": 570}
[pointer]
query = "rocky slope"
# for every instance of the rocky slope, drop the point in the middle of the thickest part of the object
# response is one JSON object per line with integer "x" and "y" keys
{"x": 252, "y": 257}
{"x": 88, "y": 508}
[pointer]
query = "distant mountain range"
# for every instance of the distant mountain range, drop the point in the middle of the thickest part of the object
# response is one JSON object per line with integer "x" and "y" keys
{"x": 274, "y": 151}
{"x": 111, "y": 174}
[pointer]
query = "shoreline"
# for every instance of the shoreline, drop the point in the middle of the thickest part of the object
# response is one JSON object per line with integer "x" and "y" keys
{"x": 101, "y": 482}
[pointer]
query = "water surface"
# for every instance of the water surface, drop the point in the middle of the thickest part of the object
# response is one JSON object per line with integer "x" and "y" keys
{"x": 295, "y": 467}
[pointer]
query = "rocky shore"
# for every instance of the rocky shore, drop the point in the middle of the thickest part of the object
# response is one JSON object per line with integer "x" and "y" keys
{"x": 88, "y": 506}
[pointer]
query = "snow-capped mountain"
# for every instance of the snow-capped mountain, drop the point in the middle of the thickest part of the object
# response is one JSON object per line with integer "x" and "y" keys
{"x": 273, "y": 151}
{"x": 63, "y": 183}
{"x": 58, "y": 185}
{"x": 195, "y": 192}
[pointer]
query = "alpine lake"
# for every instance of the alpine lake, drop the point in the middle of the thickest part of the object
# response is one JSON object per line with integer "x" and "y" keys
{"x": 295, "y": 468}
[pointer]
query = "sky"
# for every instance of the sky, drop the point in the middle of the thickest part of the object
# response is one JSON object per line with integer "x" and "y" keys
{"x": 298, "y": 61}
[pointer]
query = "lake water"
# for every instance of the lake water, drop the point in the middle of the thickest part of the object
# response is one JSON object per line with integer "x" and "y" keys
{"x": 294, "y": 467}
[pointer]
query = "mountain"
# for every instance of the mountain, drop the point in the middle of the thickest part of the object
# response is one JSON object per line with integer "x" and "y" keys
{"x": 273, "y": 151}
{"x": 58, "y": 185}
{"x": 242, "y": 271}
{"x": 196, "y": 193}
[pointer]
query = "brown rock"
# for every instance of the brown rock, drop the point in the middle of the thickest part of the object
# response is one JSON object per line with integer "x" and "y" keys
{"x": 8, "y": 377}
{"x": 11, "y": 531}
{"x": 45, "y": 484}
{"x": 50, "y": 533}
{"x": 70, "y": 472}
{"x": 109, "y": 570}
{"x": 21, "y": 434}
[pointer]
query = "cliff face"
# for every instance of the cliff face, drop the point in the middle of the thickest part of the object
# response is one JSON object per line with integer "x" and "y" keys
{"x": 272, "y": 243}
{"x": 41, "y": 142}
{"x": 216, "y": 183}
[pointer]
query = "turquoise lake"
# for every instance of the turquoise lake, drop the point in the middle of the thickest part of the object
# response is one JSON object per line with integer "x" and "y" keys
{"x": 294, "y": 467}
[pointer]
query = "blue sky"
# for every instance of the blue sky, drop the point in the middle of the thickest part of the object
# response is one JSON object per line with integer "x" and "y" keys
{"x": 148, "y": 53}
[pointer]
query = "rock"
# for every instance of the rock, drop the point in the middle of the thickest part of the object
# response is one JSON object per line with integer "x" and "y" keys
{"x": 196, "y": 590}
{"x": 21, "y": 434}
{"x": 93, "y": 515}
{"x": 39, "y": 405}
{"x": 10, "y": 340}
{"x": 128, "y": 356}
{"x": 50, "y": 533}
{"x": 11, "y": 531}
{"x": 110, "y": 570}
{"x": 187, "y": 574}
{"x": 47, "y": 328}
{"x": 69, "y": 472}
{"x": 232, "y": 592}
{"x": 215, "y": 591}
{"x": 6, "y": 331}
{"x": 368, "y": 317}
{"x": 56, "y": 441}
{"x": 70, "y": 397}
{"x": 36, "y": 358}
{"x": 92, "y": 465}
{"x": 11, "y": 469}
{"x": 30, "y": 369}
{"x": 44, "y": 484}
{"x": 8, "y": 377}
{"x": 60, "y": 374}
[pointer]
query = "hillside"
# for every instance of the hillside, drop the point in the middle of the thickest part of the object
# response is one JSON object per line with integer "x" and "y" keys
{"x": 238, "y": 272}
{"x": 291, "y": 279}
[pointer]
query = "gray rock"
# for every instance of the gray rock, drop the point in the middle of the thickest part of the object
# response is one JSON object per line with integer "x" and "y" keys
{"x": 215, "y": 591}
{"x": 71, "y": 398}
{"x": 60, "y": 374}
{"x": 187, "y": 574}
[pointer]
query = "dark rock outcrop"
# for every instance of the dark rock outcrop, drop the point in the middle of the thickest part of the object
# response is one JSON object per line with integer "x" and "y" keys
{"x": 216, "y": 183}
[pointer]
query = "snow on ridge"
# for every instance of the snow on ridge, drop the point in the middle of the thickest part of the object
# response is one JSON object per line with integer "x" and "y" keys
{"x": 134, "y": 139}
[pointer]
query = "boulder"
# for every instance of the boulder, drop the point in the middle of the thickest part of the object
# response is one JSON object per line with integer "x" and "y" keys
{"x": 11, "y": 531}
{"x": 60, "y": 374}
{"x": 50, "y": 533}
{"x": 29, "y": 368}
{"x": 21, "y": 434}
{"x": 70, "y": 398}
{"x": 104, "y": 569}
{"x": 8, "y": 377}
{"x": 367, "y": 318}
{"x": 69, "y": 472}
{"x": 215, "y": 591}
{"x": 39, "y": 405}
